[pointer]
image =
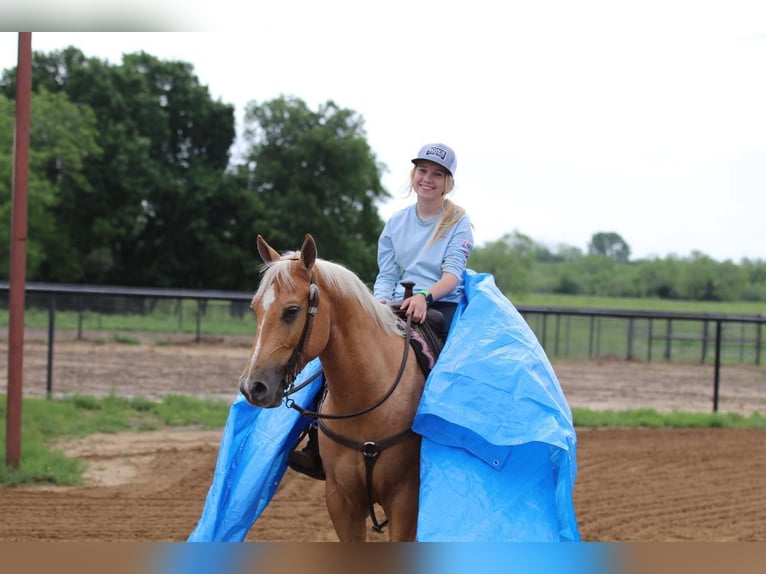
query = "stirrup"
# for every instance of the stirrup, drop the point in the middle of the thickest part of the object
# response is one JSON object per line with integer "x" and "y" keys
{"x": 307, "y": 460}
{"x": 302, "y": 462}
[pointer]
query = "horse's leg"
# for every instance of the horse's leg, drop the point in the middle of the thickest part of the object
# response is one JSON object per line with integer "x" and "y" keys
{"x": 402, "y": 512}
{"x": 400, "y": 489}
{"x": 349, "y": 521}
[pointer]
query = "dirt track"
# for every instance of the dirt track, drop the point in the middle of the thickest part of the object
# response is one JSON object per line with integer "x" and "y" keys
{"x": 632, "y": 485}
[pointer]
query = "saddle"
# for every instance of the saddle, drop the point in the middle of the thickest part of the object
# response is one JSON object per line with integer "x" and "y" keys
{"x": 428, "y": 337}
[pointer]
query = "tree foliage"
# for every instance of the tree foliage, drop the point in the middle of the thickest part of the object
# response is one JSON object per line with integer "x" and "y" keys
{"x": 609, "y": 244}
{"x": 135, "y": 183}
{"x": 313, "y": 172}
{"x": 62, "y": 135}
{"x": 567, "y": 271}
{"x": 509, "y": 259}
{"x": 165, "y": 141}
{"x": 137, "y": 207}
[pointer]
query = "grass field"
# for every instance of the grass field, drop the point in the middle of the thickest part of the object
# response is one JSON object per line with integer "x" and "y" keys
{"x": 588, "y": 302}
{"x": 563, "y": 336}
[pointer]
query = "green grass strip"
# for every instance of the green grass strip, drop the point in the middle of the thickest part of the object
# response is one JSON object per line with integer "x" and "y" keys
{"x": 45, "y": 421}
{"x": 650, "y": 418}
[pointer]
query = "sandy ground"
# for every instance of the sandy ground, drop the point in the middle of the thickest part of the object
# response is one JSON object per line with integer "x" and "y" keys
{"x": 632, "y": 485}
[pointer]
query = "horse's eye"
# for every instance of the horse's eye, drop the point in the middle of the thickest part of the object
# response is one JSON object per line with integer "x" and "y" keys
{"x": 290, "y": 313}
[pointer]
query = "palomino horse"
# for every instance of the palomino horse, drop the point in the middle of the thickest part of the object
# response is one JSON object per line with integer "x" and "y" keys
{"x": 307, "y": 307}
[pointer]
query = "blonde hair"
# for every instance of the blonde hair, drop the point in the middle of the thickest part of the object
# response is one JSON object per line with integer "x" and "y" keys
{"x": 451, "y": 212}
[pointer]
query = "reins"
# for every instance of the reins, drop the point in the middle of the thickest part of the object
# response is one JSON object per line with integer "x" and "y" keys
{"x": 290, "y": 403}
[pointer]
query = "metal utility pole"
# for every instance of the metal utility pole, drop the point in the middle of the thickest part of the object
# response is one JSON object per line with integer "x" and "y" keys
{"x": 18, "y": 270}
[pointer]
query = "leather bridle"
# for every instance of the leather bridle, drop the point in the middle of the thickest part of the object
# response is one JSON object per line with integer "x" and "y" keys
{"x": 296, "y": 363}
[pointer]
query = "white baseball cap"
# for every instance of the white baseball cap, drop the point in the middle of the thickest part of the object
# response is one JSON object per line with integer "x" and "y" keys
{"x": 440, "y": 154}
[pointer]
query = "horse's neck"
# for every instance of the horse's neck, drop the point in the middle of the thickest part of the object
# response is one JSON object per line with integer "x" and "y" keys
{"x": 361, "y": 362}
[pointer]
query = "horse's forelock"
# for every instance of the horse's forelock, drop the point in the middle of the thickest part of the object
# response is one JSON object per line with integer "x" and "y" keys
{"x": 276, "y": 272}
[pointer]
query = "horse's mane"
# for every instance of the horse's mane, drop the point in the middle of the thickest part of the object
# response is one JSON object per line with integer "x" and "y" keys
{"x": 336, "y": 277}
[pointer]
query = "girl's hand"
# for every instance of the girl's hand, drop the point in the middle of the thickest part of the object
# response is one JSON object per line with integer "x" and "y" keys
{"x": 416, "y": 307}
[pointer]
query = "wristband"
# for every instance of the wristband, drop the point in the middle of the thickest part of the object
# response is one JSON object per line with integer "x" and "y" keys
{"x": 427, "y": 295}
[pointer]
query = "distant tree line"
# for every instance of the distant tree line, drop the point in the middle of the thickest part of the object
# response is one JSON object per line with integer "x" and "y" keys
{"x": 522, "y": 266}
{"x": 132, "y": 182}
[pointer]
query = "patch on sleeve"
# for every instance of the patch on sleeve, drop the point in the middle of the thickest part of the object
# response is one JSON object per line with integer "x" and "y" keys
{"x": 467, "y": 247}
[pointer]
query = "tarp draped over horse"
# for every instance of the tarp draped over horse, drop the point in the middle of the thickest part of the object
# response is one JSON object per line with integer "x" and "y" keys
{"x": 498, "y": 455}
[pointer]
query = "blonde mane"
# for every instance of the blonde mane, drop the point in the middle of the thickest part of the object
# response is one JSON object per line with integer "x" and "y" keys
{"x": 335, "y": 277}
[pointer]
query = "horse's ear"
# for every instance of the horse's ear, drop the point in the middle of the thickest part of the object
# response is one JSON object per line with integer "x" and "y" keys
{"x": 309, "y": 251}
{"x": 267, "y": 253}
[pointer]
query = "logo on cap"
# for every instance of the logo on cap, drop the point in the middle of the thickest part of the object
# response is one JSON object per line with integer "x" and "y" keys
{"x": 437, "y": 151}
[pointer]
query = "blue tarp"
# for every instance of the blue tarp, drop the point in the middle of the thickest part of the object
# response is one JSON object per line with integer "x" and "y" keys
{"x": 251, "y": 462}
{"x": 498, "y": 460}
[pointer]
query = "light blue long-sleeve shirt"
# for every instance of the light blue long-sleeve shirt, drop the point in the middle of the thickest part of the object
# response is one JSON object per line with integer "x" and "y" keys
{"x": 406, "y": 253}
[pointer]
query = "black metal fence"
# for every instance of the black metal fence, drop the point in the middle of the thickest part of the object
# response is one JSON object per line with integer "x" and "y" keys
{"x": 97, "y": 307}
{"x": 565, "y": 333}
{"x": 648, "y": 335}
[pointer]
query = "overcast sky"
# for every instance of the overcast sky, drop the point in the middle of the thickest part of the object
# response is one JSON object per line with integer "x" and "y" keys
{"x": 647, "y": 119}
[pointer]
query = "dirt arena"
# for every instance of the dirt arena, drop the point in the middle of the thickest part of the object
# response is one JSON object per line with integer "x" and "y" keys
{"x": 632, "y": 485}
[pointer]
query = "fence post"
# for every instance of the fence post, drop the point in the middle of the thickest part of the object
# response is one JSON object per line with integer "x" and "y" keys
{"x": 717, "y": 376}
{"x": 79, "y": 318}
{"x": 599, "y": 323}
{"x": 742, "y": 342}
{"x": 668, "y": 337}
{"x": 704, "y": 341}
{"x": 51, "y": 335}
{"x": 651, "y": 340}
{"x": 199, "y": 320}
{"x": 629, "y": 352}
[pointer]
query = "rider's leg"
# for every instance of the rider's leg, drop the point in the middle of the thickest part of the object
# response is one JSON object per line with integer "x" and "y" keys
{"x": 307, "y": 460}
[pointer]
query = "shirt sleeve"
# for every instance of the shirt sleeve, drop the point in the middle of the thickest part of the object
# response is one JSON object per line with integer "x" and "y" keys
{"x": 388, "y": 272}
{"x": 459, "y": 248}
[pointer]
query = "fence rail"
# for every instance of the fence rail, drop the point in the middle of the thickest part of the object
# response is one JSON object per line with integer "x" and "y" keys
{"x": 565, "y": 333}
{"x": 684, "y": 337}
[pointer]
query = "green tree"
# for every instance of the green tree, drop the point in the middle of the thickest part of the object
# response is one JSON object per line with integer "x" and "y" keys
{"x": 755, "y": 289}
{"x": 62, "y": 137}
{"x": 564, "y": 252}
{"x": 660, "y": 277}
{"x": 509, "y": 260}
{"x": 145, "y": 216}
{"x": 313, "y": 172}
{"x": 591, "y": 274}
{"x": 704, "y": 279}
{"x": 611, "y": 245}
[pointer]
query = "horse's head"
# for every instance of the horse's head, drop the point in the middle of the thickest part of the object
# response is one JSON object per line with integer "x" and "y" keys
{"x": 285, "y": 306}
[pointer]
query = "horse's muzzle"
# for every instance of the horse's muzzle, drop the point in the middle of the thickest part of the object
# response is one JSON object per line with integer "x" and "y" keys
{"x": 261, "y": 393}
